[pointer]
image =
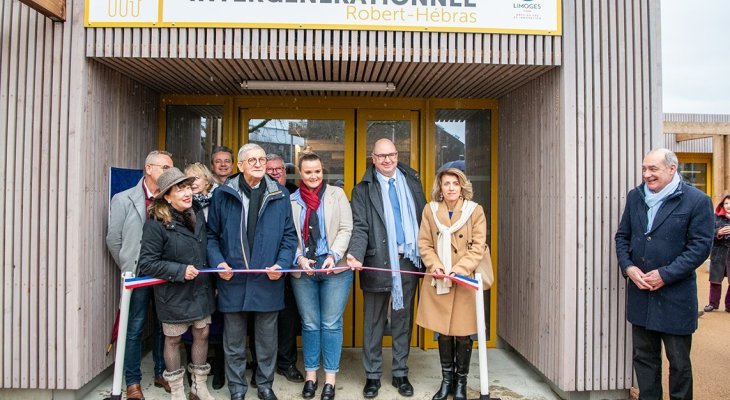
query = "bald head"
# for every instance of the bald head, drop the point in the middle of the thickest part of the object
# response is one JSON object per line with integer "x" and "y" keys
{"x": 385, "y": 157}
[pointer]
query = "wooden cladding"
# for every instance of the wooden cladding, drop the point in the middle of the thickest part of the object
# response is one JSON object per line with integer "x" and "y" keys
{"x": 53, "y": 9}
{"x": 315, "y": 45}
{"x": 562, "y": 298}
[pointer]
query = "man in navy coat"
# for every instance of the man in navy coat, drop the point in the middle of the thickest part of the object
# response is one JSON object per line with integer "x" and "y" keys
{"x": 250, "y": 226}
{"x": 665, "y": 234}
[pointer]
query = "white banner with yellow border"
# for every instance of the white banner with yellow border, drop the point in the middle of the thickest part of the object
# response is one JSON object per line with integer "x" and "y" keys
{"x": 538, "y": 17}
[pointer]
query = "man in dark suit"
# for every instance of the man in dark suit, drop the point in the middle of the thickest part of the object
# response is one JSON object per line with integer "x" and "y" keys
{"x": 665, "y": 234}
{"x": 386, "y": 209}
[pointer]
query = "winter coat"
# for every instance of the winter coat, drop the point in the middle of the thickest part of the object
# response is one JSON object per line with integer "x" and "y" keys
{"x": 369, "y": 243}
{"x": 453, "y": 313}
{"x": 719, "y": 260}
{"x": 167, "y": 250}
{"x": 337, "y": 222}
{"x": 127, "y": 216}
{"x": 275, "y": 241}
{"x": 679, "y": 241}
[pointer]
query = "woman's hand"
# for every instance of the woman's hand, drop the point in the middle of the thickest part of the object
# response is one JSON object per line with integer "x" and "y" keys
{"x": 438, "y": 271}
{"x": 305, "y": 264}
{"x": 329, "y": 263}
{"x": 190, "y": 273}
{"x": 725, "y": 230}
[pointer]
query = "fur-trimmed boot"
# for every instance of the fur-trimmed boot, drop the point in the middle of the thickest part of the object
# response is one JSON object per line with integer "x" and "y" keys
{"x": 446, "y": 356}
{"x": 463, "y": 358}
{"x": 177, "y": 386}
{"x": 199, "y": 387}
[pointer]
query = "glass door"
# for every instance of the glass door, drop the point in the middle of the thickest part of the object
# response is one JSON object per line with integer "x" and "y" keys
{"x": 400, "y": 126}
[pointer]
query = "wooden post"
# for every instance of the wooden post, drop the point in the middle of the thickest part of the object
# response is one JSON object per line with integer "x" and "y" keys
{"x": 718, "y": 168}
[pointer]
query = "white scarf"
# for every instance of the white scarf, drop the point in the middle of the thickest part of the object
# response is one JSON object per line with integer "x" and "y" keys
{"x": 443, "y": 247}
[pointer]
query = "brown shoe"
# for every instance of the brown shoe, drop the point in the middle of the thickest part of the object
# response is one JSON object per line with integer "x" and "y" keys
{"x": 134, "y": 392}
{"x": 160, "y": 382}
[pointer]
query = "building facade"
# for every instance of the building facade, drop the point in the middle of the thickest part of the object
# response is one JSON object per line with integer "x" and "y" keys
{"x": 551, "y": 128}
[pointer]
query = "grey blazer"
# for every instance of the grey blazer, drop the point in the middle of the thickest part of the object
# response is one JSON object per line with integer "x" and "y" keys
{"x": 126, "y": 220}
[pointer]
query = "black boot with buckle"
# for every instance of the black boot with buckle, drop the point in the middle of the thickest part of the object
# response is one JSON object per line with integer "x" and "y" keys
{"x": 446, "y": 356}
{"x": 463, "y": 358}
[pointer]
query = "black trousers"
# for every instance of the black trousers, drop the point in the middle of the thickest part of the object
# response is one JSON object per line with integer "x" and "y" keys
{"x": 648, "y": 363}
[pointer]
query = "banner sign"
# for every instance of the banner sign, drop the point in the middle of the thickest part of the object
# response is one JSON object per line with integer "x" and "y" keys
{"x": 537, "y": 17}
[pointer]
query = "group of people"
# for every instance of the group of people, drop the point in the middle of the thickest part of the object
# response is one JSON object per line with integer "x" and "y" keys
{"x": 253, "y": 226}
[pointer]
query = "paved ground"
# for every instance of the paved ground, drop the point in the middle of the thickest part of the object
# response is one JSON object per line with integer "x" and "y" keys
{"x": 510, "y": 379}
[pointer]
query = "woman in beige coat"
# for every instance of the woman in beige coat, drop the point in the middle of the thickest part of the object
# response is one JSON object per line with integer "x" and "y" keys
{"x": 323, "y": 220}
{"x": 447, "y": 308}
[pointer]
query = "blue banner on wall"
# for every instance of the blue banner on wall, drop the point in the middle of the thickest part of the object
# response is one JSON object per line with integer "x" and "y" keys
{"x": 121, "y": 179}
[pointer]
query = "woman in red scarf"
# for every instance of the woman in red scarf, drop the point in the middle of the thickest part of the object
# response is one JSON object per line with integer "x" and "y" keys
{"x": 323, "y": 220}
{"x": 719, "y": 260}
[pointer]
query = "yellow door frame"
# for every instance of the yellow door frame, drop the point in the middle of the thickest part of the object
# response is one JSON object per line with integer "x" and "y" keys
{"x": 235, "y": 134}
{"x": 700, "y": 158}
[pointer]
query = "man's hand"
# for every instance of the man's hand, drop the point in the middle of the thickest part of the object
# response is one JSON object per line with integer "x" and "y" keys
{"x": 226, "y": 276}
{"x": 272, "y": 274}
{"x": 190, "y": 273}
{"x": 353, "y": 263}
{"x": 638, "y": 277}
{"x": 654, "y": 279}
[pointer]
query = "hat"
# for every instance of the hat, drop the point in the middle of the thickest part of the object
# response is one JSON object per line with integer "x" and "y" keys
{"x": 170, "y": 178}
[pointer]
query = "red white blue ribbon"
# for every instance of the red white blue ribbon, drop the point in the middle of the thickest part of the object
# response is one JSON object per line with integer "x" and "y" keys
{"x": 142, "y": 281}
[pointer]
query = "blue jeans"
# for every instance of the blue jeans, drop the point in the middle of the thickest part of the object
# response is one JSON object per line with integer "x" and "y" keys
{"x": 138, "y": 307}
{"x": 321, "y": 299}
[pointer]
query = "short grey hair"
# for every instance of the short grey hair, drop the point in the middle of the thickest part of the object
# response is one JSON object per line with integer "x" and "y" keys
{"x": 248, "y": 147}
{"x": 152, "y": 156}
{"x": 273, "y": 157}
{"x": 670, "y": 159}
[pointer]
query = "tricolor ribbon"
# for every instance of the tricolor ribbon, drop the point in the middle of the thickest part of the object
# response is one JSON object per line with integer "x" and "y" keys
{"x": 142, "y": 281}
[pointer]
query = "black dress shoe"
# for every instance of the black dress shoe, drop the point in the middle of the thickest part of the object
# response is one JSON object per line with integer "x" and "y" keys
{"x": 309, "y": 390}
{"x": 371, "y": 388}
{"x": 404, "y": 387}
{"x": 291, "y": 374}
{"x": 267, "y": 394}
{"x": 219, "y": 380}
{"x": 328, "y": 392}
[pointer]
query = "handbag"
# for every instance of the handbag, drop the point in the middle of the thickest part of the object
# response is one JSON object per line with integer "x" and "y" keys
{"x": 485, "y": 266}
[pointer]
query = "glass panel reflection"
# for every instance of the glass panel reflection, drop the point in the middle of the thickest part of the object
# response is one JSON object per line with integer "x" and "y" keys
{"x": 289, "y": 137}
{"x": 695, "y": 174}
{"x": 192, "y": 131}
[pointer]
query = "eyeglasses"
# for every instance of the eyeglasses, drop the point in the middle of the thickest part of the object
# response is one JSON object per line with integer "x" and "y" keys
{"x": 252, "y": 161}
{"x": 164, "y": 167}
{"x": 382, "y": 157}
{"x": 277, "y": 170}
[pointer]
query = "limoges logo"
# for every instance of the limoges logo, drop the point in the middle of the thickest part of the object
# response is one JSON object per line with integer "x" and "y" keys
{"x": 527, "y": 5}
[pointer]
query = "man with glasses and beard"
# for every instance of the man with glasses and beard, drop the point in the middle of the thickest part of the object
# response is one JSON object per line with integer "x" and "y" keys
{"x": 250, "y": 227}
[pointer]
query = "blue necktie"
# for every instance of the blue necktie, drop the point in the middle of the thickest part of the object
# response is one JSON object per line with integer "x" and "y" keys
{"x": 400, "y": 236}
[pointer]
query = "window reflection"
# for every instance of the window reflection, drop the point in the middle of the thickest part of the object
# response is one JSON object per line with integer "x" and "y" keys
{"x": 192, "y": 131}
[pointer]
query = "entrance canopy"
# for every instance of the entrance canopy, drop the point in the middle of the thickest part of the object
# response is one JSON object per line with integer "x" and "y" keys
{"x": 417, "y": 64}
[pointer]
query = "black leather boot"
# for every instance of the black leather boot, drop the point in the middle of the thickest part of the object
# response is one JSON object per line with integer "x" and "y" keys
{"x": 446, "y": 356}
{"x": 463, "y": 357}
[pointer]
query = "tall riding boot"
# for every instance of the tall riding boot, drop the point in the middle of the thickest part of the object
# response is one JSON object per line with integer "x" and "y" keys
{"x": 177, "y": 387}
{"x": 199, "y": 388}
{"x": 446, "y": 356}
{"x": 463, "y": 358}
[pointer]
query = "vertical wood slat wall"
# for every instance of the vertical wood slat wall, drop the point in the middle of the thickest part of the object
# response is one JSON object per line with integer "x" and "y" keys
{"x": 58, "y": 283}
{"x": 562, "y": 300}
{"x": 318, "y": 44}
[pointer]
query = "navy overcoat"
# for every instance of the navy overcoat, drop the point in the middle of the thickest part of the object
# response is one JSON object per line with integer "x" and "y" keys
{"x": 679, "y": 241}
{"x": 275, "y": 242}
